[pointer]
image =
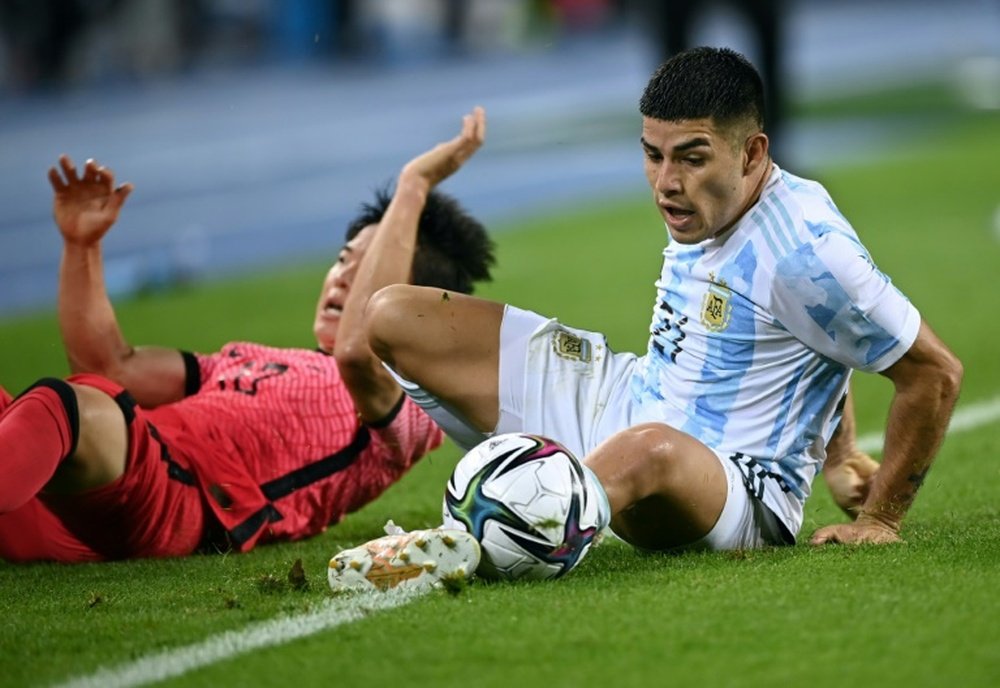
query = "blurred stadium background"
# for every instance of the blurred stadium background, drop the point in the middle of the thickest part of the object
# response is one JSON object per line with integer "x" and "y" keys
{"x": 252, "y": 129}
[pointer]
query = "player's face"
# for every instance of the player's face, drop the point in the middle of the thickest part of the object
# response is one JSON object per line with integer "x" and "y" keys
{"x": 702, "y": 181}
{"x": 336, "y": 286}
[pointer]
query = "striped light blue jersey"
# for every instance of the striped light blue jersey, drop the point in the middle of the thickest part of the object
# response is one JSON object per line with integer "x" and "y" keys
{"x": 755, "y": 332}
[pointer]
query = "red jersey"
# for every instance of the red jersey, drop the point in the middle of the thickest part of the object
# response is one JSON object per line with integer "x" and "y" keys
{"x": 272, "y": 438}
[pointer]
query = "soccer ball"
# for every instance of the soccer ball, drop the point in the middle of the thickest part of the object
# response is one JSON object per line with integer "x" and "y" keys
{"x": 529, "y": 502}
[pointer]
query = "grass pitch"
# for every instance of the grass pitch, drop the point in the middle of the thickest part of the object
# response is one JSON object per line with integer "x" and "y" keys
{"x": 919, "y": 614}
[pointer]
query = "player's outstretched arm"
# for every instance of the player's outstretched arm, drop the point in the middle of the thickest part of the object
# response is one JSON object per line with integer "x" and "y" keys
{"x": 848, "y": 471}
{"x": 927, "y": 380}
{"x": 388, "y": 261}
{"x": 85, "y": 206}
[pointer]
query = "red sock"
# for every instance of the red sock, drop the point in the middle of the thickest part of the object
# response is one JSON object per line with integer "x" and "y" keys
{"x": 37, "y": 432}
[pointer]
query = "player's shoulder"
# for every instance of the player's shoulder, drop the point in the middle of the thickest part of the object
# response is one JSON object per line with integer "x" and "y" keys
{"x": 796, "y": 214}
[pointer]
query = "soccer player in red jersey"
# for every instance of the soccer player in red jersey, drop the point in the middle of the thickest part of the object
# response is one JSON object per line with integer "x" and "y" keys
{"x": 153, "y": 452}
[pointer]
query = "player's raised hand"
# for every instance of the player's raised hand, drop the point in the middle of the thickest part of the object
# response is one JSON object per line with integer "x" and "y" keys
{"x": 446, "y": 158}
{"x": 85, "y": 206}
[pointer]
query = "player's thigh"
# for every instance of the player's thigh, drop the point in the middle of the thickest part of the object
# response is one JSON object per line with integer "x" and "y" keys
{"x": 666, "y": 489}
{"x": 101, "y": 446}
{"x": 446, "y": 342}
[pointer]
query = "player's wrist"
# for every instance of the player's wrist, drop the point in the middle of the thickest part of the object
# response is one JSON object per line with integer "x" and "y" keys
{"x": 878, "y": 518}
{"x": 84, "y": 246}
{"x": 414, "y": 184}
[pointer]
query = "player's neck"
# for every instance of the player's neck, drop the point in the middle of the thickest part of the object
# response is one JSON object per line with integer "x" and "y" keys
{"x": 765, "y": 174}
{"x": 752, "y": 199}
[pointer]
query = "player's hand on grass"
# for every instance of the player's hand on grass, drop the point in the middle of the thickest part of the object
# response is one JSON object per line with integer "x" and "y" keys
{"x": 865, "y": 530}
{"x": 446, "y": 158}
{"x": 85, "y": 206}
{"x": 849, "y": 479}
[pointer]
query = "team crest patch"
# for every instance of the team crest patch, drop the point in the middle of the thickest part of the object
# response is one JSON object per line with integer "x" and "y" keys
{"x": 715, "y": 308}
{"x": 568, "y": 345}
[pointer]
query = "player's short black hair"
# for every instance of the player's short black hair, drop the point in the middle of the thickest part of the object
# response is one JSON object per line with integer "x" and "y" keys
{"x": 706, "y": 83}
{"x": 454, "y": 251}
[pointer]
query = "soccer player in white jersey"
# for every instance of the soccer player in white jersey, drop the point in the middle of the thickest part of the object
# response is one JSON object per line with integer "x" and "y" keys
{"x": 766, "y": 302}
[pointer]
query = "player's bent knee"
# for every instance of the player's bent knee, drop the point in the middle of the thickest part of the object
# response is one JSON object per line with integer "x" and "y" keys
{"x": 666, "y": 489}
{"x": 657, "y": 454}
{"x": 384, "y": 312}
{"x": 631, "y": 463}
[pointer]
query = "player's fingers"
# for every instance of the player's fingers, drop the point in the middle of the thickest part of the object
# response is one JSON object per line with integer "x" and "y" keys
{"x": 472, "y": 134}
{"x": 68, "y": 168}
{"x": 90, "y": 171}
{"x": 863, "y": 490}
{"x": 105, "y": 176}
{"x": 825, "y": 536}
{"x": 475, "y": 124}
{"x": 480, "y": 113}
{"x": 121, "y": 193}
{"x": 56, "y": 180}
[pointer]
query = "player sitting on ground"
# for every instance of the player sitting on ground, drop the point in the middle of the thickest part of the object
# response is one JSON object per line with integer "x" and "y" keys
{"x": 151, "y": 452}
{"x": 765, "y": 303}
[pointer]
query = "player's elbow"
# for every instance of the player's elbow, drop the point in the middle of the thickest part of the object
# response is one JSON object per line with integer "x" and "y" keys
{"x": 950, "y": 374}
{"x": 941, "y": 377}
{"x": 351, "y": 354}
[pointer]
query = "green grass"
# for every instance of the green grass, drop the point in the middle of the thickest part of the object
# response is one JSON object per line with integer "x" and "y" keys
{"x": 919, "y": 614}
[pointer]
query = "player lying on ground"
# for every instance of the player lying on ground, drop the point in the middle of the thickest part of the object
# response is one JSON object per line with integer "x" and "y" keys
{"x": 766, "y": 302}
{"x": 245, "y": 446}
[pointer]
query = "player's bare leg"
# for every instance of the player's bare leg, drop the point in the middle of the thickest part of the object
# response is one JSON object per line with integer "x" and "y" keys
{"x": 101, "y": 447}
{"x": 447, "y": 343}
{"x": 665, "y": 488}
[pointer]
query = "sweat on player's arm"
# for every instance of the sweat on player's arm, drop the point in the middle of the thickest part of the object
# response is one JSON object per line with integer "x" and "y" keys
{"x": 248, "y": 445}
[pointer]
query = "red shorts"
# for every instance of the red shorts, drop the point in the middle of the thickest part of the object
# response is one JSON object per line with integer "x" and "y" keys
{"x": 154, "y": 509}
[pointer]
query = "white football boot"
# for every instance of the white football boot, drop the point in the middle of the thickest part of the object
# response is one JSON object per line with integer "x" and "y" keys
{"x": 418, "y": 560}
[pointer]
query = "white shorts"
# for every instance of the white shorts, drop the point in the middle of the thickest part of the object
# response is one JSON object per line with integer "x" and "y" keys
{"x": 561, "y": 382}
{"x": 745, "y": 522}
{"x": 565, "y": 383}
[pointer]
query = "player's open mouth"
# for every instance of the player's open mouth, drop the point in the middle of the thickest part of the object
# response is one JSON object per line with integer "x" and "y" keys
{"x": 333, "y": 309}
{"x": 678, "y": 218}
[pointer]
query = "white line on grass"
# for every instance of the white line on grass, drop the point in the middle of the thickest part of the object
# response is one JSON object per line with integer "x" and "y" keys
{"x": 335, "y": 612}
{"x": 965, "y": 418}
{"x": 171, "y": 663}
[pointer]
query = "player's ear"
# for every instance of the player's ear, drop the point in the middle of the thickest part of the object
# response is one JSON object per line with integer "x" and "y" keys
{"x": 755, "y": 152}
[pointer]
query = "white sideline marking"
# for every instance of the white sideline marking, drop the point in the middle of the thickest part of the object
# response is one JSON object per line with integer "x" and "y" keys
{"x": 174, "y": 662}
{"x": 335, "y": 612}
{"x": 965, "y": 418}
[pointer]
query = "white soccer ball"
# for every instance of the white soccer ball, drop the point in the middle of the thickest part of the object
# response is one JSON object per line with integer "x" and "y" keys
{"x": 530, "y": 503}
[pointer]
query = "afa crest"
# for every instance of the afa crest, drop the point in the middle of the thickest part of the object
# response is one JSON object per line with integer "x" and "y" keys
{"x": 715, "y": 308}
{"x": 568, "y": 345}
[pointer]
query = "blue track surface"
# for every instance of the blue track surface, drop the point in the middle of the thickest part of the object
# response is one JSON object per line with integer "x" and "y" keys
{"x": 241, "y": 169}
